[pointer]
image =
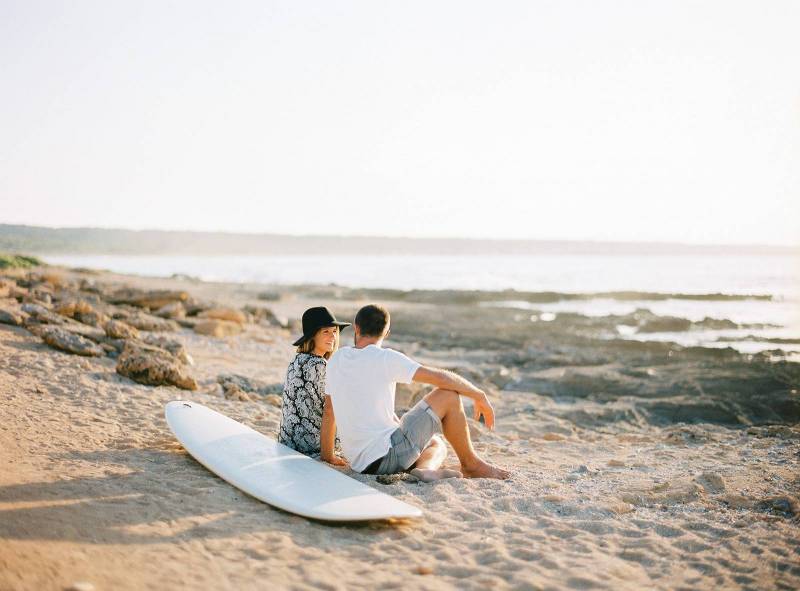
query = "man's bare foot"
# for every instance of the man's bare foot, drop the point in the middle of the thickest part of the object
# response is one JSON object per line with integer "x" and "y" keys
{"x": 433, "y": 475}
{"x": 484, "y": 470}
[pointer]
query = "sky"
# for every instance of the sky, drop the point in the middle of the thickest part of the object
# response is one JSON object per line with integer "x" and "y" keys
{"x": 635, "y": 120}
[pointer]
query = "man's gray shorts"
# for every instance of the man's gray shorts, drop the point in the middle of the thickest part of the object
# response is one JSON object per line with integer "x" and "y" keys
{"x": 416, "y": 429}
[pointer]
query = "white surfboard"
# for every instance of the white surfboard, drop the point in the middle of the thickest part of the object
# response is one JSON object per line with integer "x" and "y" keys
{"x": 274, "y": 473}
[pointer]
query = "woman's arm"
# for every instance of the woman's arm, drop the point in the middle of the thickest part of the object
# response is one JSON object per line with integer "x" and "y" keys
{"x": 327, "y": 435}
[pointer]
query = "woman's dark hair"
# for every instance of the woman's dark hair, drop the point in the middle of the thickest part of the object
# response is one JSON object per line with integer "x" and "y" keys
{"x": 372, "y": 320}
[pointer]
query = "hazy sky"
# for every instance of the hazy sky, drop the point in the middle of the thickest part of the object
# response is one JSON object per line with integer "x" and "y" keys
{"x": 635, "y": 120}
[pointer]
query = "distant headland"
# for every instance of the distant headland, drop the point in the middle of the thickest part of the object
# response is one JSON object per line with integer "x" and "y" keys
{"x": 45, "y": 240}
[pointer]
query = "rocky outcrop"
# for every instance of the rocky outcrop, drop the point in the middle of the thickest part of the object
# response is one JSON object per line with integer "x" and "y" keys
{"x": 118, "y": 329}
{"x": 152, "y": 300}
{"x": 217, "y": 328}
{"x": 173, "y": 310}
{"x": 38, "y": 314}
{"x": 175, "y": 348}
{"x": 145, "y": 321}
{"x": 153, "y": 366}
{"x": 12, "y": 316}
{"x": 265, "y": 315}
{"x": 64, "y": 340}
{"x": 231, "y": 381}
{"x": 229, "y": 314}
{"x": 82, "y": 311}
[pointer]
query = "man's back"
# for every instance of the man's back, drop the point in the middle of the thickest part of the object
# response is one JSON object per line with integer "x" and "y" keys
{"x": 361, "y": 384}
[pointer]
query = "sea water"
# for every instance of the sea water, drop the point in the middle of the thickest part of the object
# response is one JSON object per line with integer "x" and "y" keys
{"x": 776, "y": 276}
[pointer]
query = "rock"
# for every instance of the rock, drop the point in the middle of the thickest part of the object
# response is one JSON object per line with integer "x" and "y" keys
{"x": 274, "y": 400}
{"x": 70, "y": 308}
{"x": 153, "y": 366}
{"x": 264, "y": 315}
{"x": 174, "y": 347}
{"x": 117, "y": 329}
{"x": 188, "y": 322}
{"x": 228, "y": 314}
{"x": 781, "y": 505}
{"x": 269, "y": 296}
{"x": 423, "y": 570}
{"x": 93, "y": 318}
{"x": 616, "y": 463}
{"x": 173, "y": 310}
{"x": 194, "y": 307}
{"x": 110, "y": 349}
{"x": 152, "y": 300}
{"x": 13, "y": 317}
{"x": 236, "y": 393}
{"x": 395, "y": 478}
{"x": 249, "y": 385}
{"x": 54, "y": 278}
{"x": 90, "y": 332}
{"x": 64, "y": 340}
{"x": 779, "y": 431}
{"x": 686, "y": 434}
{"x": 41, "y": 315}
{"x": 82, "y": 311}
{"x": 737, "y": 501}
{"x": 217, "y": 328}
{"x": 40, "y": 291}
{"x": 144, "y": 321}
{"x": 18, "y": 293}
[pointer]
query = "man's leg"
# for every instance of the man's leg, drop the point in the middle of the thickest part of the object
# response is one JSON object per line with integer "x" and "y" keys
{"x": 432, "y": 456}
{"x": 447, "y": 404}
{"x": 428, "y": 466}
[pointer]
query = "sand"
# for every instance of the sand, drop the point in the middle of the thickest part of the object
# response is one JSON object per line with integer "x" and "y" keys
{"x": 96, "y": 493}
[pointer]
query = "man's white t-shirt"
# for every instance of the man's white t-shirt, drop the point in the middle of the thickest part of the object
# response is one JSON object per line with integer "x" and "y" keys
{"x": 361, "y": 384}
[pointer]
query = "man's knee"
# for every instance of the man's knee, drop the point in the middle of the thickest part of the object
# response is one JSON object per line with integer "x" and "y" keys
{"x": 443, "y": 401}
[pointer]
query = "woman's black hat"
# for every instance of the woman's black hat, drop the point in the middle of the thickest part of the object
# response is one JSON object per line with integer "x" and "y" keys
{"x": 316, "y": 318}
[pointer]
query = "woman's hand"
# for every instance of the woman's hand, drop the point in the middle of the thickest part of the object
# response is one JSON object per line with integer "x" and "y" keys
{"x": 335, "y": 461}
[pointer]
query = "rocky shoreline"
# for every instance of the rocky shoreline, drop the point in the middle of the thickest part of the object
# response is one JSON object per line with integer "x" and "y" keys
{"x": 637, "y": 464}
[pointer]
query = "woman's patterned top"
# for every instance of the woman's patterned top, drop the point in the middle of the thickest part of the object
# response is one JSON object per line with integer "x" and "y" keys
{"x": 303, "y": 397}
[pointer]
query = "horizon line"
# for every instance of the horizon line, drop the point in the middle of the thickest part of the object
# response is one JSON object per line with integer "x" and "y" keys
{"x": 419, "y": 238}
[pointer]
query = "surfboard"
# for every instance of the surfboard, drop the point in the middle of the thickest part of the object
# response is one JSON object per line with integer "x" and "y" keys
{"x": 274, "y": 473}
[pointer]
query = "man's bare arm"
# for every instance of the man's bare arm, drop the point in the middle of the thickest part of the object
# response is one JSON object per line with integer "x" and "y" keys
{"x": 448, "y": 380}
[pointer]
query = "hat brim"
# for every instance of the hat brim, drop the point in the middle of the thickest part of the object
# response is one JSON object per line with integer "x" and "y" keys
{"x": 304, "y": 338}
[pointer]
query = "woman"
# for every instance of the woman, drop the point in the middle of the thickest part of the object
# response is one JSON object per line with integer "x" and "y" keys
{"x": 307, "y": 421}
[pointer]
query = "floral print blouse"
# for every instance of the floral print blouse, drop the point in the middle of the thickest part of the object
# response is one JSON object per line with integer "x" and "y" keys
{"x": 303, "y": 398}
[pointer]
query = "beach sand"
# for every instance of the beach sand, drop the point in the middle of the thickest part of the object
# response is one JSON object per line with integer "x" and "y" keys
{"x": 621, "y": 489}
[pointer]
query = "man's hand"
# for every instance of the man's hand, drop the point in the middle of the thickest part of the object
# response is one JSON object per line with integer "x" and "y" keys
{"x": 335, "y": 461}
{"x": 482, "y": 406}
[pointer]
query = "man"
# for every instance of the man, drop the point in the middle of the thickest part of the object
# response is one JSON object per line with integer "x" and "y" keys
{"x": 361, "y": 383}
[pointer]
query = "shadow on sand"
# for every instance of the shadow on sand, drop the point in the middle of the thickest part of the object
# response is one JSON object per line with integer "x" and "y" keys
{"x": 165, "y": 497}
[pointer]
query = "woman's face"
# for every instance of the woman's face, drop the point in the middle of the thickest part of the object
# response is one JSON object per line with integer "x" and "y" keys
{"x": 325, "y": 340}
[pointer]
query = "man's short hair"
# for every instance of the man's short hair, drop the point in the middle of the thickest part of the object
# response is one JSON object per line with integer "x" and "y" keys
{"x": 372, "y": 320}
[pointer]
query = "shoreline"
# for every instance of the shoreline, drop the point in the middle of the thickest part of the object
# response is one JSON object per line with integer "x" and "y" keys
{"x": 636, "y": 464}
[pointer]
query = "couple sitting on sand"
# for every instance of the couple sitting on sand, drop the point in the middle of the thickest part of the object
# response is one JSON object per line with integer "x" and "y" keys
{"x": 352, "y": 390}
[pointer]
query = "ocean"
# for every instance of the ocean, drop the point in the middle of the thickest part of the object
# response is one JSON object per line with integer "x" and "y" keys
{"x": 766, "y": 309}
